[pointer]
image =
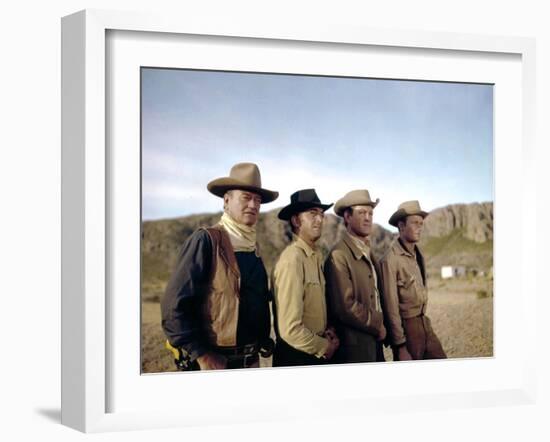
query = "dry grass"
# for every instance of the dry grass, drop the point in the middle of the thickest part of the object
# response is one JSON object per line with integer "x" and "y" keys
{"x": 154, "y": 357}
{"x": 462, "y": 320}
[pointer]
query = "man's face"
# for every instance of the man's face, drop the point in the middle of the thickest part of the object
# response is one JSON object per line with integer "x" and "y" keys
{"x": 243, "y": 206}
{"x": 310, "y": 224}
{"x": 359, "y": 220}
{"x": 412, "y": 228}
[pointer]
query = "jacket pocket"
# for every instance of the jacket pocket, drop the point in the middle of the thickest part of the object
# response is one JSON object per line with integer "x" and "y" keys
{"x": 406, "y": 287}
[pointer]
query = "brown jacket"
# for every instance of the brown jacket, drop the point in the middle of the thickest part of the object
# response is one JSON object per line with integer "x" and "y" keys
{"x": 221, "y": 309}
{"x": 351, "y": 292}
{"x": 404, "y": 288}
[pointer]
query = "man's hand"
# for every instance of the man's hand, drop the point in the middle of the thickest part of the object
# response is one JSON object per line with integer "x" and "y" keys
{"x": 330, "y": 333}
{"x": 333, "y": 342}
{"x": 381, "y": 333}
{"x": 212, "y": 361}
{"x": 402, "y": 354}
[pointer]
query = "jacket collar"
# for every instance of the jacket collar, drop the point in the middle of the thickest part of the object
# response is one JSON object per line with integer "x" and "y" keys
{"x": 350, "y": 242}
{"x": 301, "y": 244}
{"x": 399, "y": 248}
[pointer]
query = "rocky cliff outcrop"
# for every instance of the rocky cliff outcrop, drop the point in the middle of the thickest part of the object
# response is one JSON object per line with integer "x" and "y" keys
{"x": 474, "y": 220}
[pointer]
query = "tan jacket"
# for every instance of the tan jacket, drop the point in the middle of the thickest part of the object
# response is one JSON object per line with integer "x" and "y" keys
{"x": 351, "y": 291}
{"x": 221, "y": 309}
{"x": 299, "y": 291}
{"x": 404, "y": 289}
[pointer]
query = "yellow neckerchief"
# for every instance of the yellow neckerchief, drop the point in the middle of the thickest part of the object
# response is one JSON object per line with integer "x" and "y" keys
{"x": 243, "y": 237}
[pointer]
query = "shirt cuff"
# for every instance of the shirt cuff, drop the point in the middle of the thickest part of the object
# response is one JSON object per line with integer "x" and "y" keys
{"x": 321, "y": 344}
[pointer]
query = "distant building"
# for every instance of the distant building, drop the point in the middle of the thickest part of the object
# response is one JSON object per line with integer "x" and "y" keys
{"x": 452, "y": 271}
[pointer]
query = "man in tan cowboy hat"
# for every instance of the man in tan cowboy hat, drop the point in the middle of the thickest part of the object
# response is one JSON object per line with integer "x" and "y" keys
{"x": 303, "y": 337}
{"x": 352, "y": 276}
{"x": 405, "y": 293}
{"x": 215, "y": 311}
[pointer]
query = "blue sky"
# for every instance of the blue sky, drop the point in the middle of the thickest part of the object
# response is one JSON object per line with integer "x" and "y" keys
{"x": 401, "y": 140}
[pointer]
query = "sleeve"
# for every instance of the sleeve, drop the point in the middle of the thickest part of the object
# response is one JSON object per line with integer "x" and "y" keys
{"x": 391, "y": 302}
{"x": 182, "y": 301}
{"x": 346, "y": 308}
{"x": 289, "y": 291}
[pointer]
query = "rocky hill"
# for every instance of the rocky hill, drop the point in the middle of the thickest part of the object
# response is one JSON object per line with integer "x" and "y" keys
{"x": 459, "y": 234}
{"x": 475, "y": 220}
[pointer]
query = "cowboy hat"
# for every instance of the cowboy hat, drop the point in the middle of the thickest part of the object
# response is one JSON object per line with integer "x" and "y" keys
{"x": 243, "y": 176}
{"x": 301, "y": 201}
{"x": 407, "y": 208}
{"x": 354, "y": 198}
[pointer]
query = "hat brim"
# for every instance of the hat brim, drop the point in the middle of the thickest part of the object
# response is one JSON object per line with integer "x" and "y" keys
{"x": 220, "y": 186}
{"x": 400, "y": 214}
{"x": 341, "y": 205}
{"x": 286, "y": 212}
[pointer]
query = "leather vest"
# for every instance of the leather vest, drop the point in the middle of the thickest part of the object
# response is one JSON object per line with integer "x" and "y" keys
{"x": 221, "y": 306}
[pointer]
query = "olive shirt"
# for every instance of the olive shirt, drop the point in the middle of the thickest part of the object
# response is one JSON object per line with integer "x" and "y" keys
{"x": 405, "y": 294}
{"x": 299, "y": 291}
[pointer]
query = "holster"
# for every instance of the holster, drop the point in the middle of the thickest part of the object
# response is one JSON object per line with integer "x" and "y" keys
{"x": 182, "y": 358}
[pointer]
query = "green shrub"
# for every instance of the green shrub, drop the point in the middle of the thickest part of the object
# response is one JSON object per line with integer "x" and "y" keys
{"x": 481, "y": 294}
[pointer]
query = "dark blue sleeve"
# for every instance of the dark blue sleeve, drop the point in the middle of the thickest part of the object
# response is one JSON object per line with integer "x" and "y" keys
{"x": 181, "y": 305}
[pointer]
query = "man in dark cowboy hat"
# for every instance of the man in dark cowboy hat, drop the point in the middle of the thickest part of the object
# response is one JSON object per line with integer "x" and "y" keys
{"x": 405, "y": 292}
{"x": 352, "y": 276}
{"x": 299, "y": 288}
{"x": 215, "y": 311}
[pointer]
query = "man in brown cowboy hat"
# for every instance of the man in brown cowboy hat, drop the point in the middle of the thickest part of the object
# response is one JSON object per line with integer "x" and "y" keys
{"x": 303, "y": 337}
{"x": 215, "y": 311}
{"x": 405, "y": 293}
{"x": 352, "y": 276}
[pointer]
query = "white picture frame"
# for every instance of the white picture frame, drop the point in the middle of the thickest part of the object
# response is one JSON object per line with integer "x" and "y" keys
{"x": 87, "y": 206}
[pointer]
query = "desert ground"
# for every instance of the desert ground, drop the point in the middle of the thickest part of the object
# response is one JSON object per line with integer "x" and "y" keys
{"x": 461, "y": 311}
